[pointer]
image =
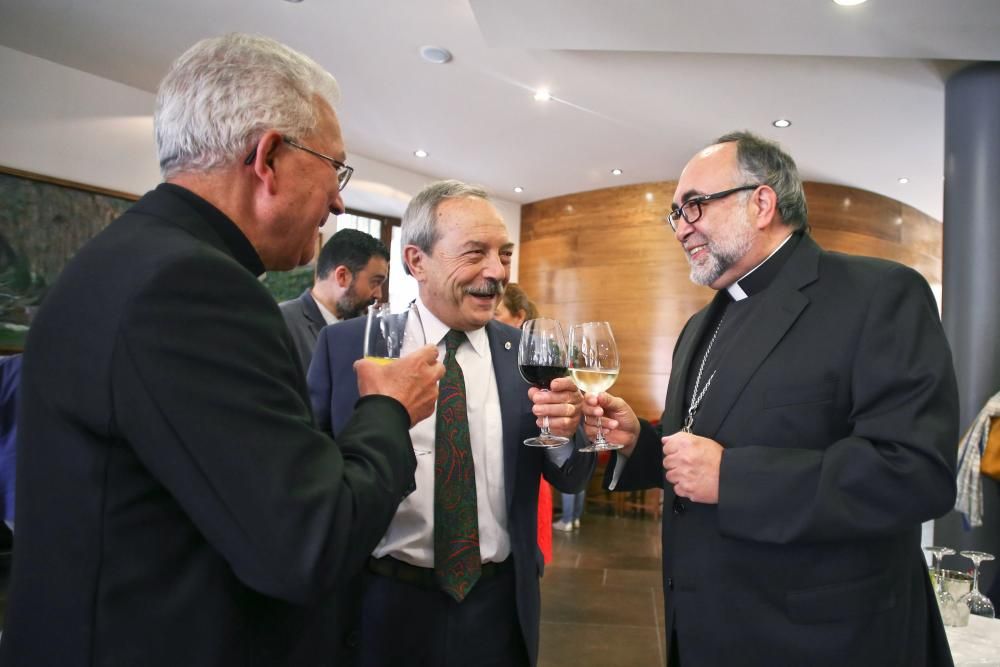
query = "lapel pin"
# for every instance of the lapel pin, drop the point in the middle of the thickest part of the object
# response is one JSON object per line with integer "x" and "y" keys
{"x": 506, "y": 345}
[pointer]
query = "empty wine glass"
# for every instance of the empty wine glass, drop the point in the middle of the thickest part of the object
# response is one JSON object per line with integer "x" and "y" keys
{"x": 594, "y": 364}
{"x": 949, "y": 610}
{"x": 541, "y": 358}
{"x": 977, "y": 603}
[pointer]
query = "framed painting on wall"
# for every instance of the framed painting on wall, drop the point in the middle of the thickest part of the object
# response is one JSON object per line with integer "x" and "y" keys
{"x": 43, "y": 222}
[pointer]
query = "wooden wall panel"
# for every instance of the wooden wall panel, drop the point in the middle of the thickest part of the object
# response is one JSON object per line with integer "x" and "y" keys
{"x": 608, "y": 255}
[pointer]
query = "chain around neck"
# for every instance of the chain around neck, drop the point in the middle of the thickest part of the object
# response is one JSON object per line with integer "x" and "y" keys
{"x": 696, "y": 396}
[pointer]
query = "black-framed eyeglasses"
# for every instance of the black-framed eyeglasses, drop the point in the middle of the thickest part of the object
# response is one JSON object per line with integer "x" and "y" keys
{"x": 344, "y": 172}
{"x": 691, "y": 209}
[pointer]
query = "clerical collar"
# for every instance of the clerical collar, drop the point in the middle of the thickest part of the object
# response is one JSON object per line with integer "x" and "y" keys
{"x": 234, "y": 238}
{"x": 759, "y": 277}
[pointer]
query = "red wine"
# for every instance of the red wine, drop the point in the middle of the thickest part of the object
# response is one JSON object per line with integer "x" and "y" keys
{"x": 541, "y": 376}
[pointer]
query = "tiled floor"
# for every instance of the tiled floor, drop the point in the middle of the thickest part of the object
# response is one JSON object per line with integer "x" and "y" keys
{"x": 602, "y": 598}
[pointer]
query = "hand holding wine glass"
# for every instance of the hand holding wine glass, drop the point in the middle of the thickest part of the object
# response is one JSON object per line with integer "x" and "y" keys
{"x": 594, "y": 365}
{"x": 541, "y": 358}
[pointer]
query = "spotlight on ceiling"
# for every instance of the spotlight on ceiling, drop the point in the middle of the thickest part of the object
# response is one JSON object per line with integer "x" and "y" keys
{"x": 782, "y": 122}
{"x": 849, "y": 3}
{"x": 435, "y": 54}
{"x": 616, "y": 172}
{"x": 903, "y": 180}
{"x": 420, "y": 152}
{"x": 518, "y": 189}
{"x": 542, "y": 95}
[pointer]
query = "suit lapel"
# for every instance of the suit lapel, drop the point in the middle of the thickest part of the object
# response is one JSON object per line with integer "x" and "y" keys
{"x": 687, "y": 344}
{"x": 510, "y": 387}
{"x": 311, "y": 311}
{"x": 780, "y": 306}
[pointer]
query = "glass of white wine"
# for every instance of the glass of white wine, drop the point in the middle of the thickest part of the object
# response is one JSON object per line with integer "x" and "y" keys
{"x": 387, "y": 334}
{"x": 594, "y": 365}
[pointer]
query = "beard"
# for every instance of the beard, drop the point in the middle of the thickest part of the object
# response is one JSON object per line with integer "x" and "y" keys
{"x": 350, "y": 305}
{"x": 723, "y": 252}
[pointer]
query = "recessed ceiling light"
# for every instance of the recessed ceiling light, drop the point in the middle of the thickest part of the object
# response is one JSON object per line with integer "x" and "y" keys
{"x": 782, "y": 122}
{"x": 903, "y": 180}
{"x": 849, "y": 3}
{"x": 435, "y": 54}
{"x": 420, "y": 152}
{"x": 542, "y": 95}
{"x": 616, "y": 172}
{"x": 294, "y": 2}
{"x": 518, "y": 189}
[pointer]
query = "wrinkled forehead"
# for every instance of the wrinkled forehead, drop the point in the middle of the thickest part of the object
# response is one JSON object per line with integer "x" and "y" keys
{"x": 471, "y": 219}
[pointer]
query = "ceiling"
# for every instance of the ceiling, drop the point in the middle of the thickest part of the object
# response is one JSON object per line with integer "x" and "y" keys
{"x": 638, "y": 85}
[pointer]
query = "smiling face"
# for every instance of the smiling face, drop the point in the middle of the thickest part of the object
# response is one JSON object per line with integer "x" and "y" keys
{"x": 462, "y": 278}
{"x": 720, "y": 246}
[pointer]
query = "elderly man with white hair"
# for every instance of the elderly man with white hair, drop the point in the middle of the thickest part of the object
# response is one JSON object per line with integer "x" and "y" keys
{"x": 177, "y": 506}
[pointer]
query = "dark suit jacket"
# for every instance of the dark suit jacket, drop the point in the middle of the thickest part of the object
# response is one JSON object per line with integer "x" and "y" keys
{"x": 334, "y": 390}
{"x": 304, "y": 322}
{"x": 176, "y": 505}
{"x": 837, "y": 407}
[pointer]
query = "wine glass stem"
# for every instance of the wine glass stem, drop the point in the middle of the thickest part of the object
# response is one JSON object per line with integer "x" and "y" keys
{"x": 975, "y": 576}
{"x": 600, "y": 430}
{"x": 545, "y": 422}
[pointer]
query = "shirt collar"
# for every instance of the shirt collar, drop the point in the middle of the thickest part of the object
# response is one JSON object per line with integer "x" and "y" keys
{"x": 328, "y": 316}
{"x": 234, "y": 238}
{"x": 435, "y": 330}
{"x": 759, "y": 277}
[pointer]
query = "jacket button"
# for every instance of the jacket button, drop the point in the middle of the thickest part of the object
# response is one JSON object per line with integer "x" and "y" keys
{"x": 670, "y": 583}
{"x": 679, "y": 506}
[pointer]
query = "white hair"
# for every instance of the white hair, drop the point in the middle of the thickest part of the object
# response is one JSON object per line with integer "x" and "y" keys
{"x": 419, "y": 224}
{"x": 222, "y": 94}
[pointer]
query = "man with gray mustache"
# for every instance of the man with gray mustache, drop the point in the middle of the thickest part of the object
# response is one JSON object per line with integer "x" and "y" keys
{"x": 455, "y": 244}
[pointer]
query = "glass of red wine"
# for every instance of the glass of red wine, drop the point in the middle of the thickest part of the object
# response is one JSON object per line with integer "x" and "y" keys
{"x": 541, "y": 359}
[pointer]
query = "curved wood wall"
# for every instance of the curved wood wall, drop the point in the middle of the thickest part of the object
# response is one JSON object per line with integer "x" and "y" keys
{"x": 608, "y": 255}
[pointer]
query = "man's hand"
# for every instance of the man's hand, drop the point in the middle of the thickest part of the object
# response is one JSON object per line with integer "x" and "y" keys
{"x": 561, "y": 405}
{"x": 411, "y": 380}
{"x": 618, "y": 420}
{"x": 692, "y": 464}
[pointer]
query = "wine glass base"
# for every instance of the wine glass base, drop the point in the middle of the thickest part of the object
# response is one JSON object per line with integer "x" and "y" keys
{"x": 601, "y": 447}
{"x": 546, "y": 441}
{"x": 419, "y": 451}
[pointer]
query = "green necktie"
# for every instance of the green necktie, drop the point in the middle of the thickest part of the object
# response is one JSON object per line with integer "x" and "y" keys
{"x": 457, "y": 563}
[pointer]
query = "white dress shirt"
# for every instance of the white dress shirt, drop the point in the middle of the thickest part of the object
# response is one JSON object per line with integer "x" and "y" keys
{"x": 410, "y": 536}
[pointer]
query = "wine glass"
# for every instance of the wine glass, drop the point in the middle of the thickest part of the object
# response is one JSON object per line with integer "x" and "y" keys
{"x": 594, "y": 364}
{"x": 946, "y": 603}
{"x": 541, "y": 358}
{"x": 977, "y": 603}
{"x": 388, "y": 333}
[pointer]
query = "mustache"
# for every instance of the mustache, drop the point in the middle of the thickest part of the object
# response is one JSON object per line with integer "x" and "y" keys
{"x": 489, "y": 288}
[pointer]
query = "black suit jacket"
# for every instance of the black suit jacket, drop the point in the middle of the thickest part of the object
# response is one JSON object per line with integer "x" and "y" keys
{"x": 333, "y": 388}
{"x": 304, "y": 323}
{"x": 837, "y": 407}
{"x": 176, "y": 505}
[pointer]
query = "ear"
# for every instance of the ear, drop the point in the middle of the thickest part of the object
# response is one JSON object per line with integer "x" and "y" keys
{"x": 263, "y": 163}
{"x": 414, "y": 258}
{"x": 764, "y": 206}
{"x": 343, "y": 276}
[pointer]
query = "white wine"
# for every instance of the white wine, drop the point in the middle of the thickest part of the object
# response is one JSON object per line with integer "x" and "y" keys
{"x": 594, "y": 380}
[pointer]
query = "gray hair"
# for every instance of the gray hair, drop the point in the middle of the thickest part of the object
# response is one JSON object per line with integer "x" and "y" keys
{"x": 223, "y": 93}
{"x": 419, "y": 224}
{"x": 763, "y": 161}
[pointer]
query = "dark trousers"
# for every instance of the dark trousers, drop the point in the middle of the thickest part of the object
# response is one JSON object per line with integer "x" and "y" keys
{"x": 404, "y": 623}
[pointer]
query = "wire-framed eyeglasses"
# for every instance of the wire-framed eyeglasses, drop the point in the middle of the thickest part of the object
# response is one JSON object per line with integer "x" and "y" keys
{"x": 344, "y": 171}
{"x": 691, "y": 209}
